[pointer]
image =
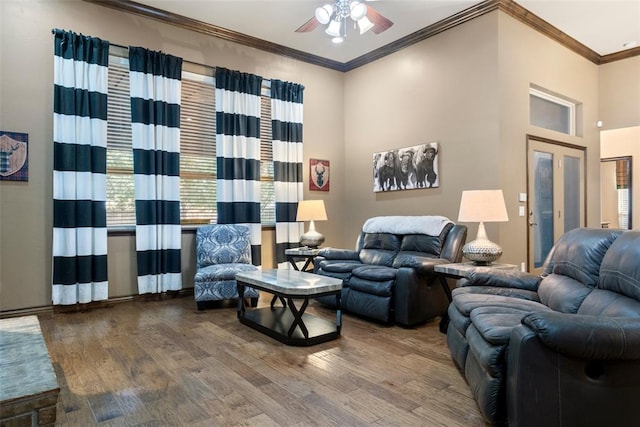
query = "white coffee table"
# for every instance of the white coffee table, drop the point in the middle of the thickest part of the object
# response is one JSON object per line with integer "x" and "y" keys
{"x": 288, "y": 323}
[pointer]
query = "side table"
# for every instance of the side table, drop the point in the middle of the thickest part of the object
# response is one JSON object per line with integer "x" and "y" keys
{"x": 460, "y": 270}
{"x": 303, "y": 253}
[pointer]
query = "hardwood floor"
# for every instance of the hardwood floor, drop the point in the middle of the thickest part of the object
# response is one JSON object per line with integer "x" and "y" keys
{"x": 164, "y": 363}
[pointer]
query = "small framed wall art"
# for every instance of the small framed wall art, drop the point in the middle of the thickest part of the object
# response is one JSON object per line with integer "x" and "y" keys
{"x": 319, "y": 175}
{"x": 14, "y": 165}
{"x": 406, "y": 168}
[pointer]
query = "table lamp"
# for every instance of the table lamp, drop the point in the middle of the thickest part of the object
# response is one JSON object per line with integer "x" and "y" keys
{"x": 311, "y": 210}
{"x": 482, "y": 206}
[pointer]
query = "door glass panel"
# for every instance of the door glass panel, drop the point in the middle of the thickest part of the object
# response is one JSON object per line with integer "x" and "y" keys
{"x": 543, "y": 206}
{"x": 571, "y": 193}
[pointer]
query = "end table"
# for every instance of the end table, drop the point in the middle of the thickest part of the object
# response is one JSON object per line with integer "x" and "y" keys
{"x": 303, "y": 253}
{"x": 460, "y": 270}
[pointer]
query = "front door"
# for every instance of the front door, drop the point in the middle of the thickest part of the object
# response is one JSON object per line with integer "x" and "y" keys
{"x": 556, "y": 195}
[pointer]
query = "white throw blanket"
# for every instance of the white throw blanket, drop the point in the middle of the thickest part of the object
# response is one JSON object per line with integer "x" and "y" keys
{"x": 429, "y": 225}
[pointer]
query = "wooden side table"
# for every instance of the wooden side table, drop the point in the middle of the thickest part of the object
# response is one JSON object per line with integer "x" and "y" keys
{"x": 460, "y": 270}
{"x": 304, "y": 253}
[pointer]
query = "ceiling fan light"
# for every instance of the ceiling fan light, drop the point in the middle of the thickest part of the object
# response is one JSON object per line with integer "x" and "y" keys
{"x": 364, "y": 24}
{"x": 358, "y": 10}
{"x": 334, "y": 28}
{"x": 337, "y": 40}
{"x": 323, "y": 14}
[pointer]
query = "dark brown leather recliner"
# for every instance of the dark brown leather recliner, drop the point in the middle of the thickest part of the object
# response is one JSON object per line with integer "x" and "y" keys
{"x": 562, "y": 349}
{"x": 389, "y": 276}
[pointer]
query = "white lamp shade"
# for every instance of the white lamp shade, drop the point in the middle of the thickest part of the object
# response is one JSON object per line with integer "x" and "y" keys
{"x": 311, "y": 210}
{"x": 364, "y": 24}
{"x": 358, "y": 10}
{"x": 482, "y": 206}
{"x": 323, "y": 14}
{"x": 333, "y": 29}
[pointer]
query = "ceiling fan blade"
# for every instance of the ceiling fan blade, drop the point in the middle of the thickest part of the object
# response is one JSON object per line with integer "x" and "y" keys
{"x": 310, "y": 25}
{"x": 380, "y": 23}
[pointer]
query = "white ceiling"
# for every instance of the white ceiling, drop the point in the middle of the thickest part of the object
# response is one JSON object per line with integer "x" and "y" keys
{"x": 602, "y": 25}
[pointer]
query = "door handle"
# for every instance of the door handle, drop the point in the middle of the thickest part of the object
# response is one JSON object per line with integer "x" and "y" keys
{"x": 531, "y": 223}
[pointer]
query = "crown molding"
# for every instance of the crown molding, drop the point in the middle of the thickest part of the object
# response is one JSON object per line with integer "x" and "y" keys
{"x": 216, "y": 31}
{"x": 507, "y": 6}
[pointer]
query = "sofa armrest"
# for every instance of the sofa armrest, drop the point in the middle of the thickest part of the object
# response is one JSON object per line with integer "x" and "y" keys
{"x": 334, "y": 253}
{"x": 587, "y": 337}
{"x": 483, "y": 276}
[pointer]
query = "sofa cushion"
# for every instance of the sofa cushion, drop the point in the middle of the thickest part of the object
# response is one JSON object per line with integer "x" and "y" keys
{"x": 610, "y": 304}
{"x": 379, "y": 248}
{"x": 563, "y": 293}
{"x": 619, "y": 272}
{"x": 579, "y": 253}
{"x": 424, "y": 243}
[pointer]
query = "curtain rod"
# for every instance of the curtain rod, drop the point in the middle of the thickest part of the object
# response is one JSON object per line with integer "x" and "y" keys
{"x": 266, "y": 82}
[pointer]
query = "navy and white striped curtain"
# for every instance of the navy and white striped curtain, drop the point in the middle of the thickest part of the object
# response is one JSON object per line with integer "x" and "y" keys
{"x": 286, "y": 125}
{"x": 155, "y": 81}
{"x": 238, "y": 152}
{"x": 79, "y": 169}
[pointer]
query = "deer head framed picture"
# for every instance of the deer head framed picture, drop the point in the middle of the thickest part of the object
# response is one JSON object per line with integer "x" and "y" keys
{"x": 319, "y": 175}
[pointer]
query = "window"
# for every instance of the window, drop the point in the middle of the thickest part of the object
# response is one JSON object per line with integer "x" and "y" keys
{"x": 552, "y": 112}
{"x": 197, "y": 150}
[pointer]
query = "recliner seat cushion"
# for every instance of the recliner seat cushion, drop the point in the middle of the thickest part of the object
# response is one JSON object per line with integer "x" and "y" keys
{"x": 496, "y": 323}
{"x": 466, "y": 302}
{"x": 505, "y": 292}
{"x": 339, "y": 266}
{"x": 373, "y": 279}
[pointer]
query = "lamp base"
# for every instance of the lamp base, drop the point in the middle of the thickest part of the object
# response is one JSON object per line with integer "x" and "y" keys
{"x": 312, "y": 239}
{"x": 482, "y": 251}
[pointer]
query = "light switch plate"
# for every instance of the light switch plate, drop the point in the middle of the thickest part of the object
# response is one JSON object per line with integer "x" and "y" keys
{"x": 522, "y": 197}
{"x": 521, "y": 210}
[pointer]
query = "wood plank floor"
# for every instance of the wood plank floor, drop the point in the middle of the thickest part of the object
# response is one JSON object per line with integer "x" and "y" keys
{"x": 154, "y": 363}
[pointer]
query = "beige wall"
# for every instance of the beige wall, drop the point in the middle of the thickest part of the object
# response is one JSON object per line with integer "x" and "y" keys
{"x": 466, "y": 88}
{"x": 441, "y": 89}
{"x": 619, "y": 87}
{"x": 528, "y": 57}
{"x": 26, "y": 85}
{"x": 625, "y": 142}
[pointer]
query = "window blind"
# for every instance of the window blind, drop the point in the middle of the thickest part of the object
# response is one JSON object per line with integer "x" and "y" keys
{"x": 197, "y": 150}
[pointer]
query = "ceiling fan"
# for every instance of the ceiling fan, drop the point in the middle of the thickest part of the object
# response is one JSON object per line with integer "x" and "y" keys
{"x": 336, "y": 14}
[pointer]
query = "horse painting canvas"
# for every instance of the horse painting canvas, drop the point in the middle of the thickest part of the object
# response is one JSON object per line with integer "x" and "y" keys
{"x": 406, "y": 168}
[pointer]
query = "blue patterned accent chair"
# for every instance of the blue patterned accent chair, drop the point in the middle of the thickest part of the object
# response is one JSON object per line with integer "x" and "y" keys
{"x": 222, "y": 250}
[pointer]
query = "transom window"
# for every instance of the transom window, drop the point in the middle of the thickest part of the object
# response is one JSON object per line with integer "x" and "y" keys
{"x": 552, "y": 112}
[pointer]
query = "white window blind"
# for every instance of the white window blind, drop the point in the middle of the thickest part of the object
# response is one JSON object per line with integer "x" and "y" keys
{"x": 197, "y": 150}
{"x": 268, "y": 199}
{"x": 120, "y": 201}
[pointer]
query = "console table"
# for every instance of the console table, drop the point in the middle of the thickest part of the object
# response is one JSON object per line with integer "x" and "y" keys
{"x": 289, "y": 323}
